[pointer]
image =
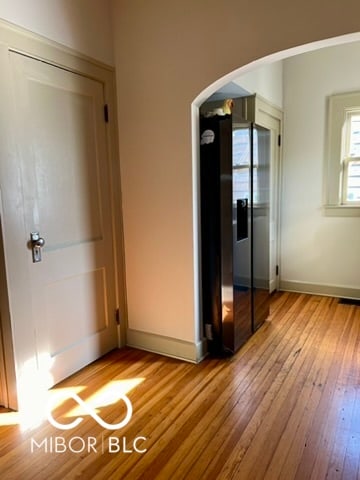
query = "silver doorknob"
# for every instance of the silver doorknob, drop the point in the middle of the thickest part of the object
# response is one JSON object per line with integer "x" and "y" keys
{"x": 40, "y": 242}
{"x": 36, "y": 242}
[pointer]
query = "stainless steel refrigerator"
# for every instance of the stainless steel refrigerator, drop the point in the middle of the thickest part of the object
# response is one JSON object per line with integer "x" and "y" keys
{"x": 235, "y": 183}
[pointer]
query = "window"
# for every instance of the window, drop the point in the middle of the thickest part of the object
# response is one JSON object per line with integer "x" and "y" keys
{"x": 342, "y": 185}
{"x": 351, "y": 159}
{"x": 241, "y": 164}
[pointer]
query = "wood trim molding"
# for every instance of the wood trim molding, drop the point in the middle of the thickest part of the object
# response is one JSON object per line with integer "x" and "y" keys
{"x": 318, "y": 289}
{"x": 24, "y": 40}
{"x": 170, "y": 347}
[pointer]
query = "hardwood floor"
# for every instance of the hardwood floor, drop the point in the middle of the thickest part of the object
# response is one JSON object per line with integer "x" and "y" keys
{"x": 286, "y": 406}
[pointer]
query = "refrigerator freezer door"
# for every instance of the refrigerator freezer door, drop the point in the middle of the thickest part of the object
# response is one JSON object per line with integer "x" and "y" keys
{"x": 216, "y": 232}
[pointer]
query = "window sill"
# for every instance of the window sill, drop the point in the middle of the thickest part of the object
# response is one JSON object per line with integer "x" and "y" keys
{"x": 341, "y": 210}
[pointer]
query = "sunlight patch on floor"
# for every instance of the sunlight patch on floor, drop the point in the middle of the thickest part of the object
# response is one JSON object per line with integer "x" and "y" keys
{"x": 38, "y": 401}
{"x": 109, "y": 394}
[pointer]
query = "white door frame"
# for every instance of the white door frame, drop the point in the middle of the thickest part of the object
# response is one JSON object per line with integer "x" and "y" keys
{"x": 271, "y": 117}
{"x": 16, "y": 327}
{"x": 7, "y": 366}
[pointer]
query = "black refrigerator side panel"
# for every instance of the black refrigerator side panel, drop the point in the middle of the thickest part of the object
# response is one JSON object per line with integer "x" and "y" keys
{"x": 215, "y": 145}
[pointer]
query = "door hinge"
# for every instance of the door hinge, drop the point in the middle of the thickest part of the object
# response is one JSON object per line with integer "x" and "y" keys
{"x": 106, "y": 113}
{"x": 279, "y": 140}
{"x": 277, "y": 270}
{"x": 117, "y": 316}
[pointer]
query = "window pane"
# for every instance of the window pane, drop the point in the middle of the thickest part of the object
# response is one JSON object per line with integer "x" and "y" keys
{"x": 241, "y": 183}
{"x": 353, "y": 190}
{"x": 241, "y": 147}
{"x": 355, "y": 136}
{"x": 353, "y": 195}
{"x": 241, "y": 163}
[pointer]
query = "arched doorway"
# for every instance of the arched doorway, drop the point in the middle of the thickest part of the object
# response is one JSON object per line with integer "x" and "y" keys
{"x": 317, "y": 230}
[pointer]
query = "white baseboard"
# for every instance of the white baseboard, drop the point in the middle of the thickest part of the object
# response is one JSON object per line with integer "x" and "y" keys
{"x": 318, "y": 289}
{"x": 170, "y": 347}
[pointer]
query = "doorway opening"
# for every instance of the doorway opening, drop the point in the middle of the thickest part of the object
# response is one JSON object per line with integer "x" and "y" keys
{"x": 301, "y": 225}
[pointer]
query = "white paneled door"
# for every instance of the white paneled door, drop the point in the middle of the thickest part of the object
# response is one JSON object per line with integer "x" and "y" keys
{"x": 63, "y": 166}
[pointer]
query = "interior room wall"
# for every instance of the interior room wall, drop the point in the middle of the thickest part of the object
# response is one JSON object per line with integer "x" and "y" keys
{"x": 317, "y": 250}
{"x": 266, "y": 81}
{"x": 84, "y": 25}
{"x": 166, "y": 55}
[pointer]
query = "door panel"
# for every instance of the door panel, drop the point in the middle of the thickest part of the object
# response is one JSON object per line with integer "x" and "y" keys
{"x": 63, "y": 160}
{"x": 89, "y": 309}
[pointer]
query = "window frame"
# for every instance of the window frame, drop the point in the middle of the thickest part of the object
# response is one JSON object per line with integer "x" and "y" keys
{"x": 340, "y": 107}
{"x": 347, "y": 158}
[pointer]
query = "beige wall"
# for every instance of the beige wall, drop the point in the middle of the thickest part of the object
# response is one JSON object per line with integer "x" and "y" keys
{"x": 266, "y": 81}
{"x": 166, "y": 53}
{"x": 84, "y": 25}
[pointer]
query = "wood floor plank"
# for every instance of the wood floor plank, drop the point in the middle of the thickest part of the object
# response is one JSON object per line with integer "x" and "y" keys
{"x": 242, "y": 400}
{"x": 285, "y": 407}
{"x": 316, "y": 456}
{"x": 272, "y": 424}
{"x": 294, "y": 438}
{"x": 250, "y": 414}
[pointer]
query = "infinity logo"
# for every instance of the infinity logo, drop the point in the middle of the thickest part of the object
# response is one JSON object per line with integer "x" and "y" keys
{"x": 89, "y": 411}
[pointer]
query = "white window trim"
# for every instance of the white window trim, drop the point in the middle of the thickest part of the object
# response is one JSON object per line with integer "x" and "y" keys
{"x": 338, "y": 107}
